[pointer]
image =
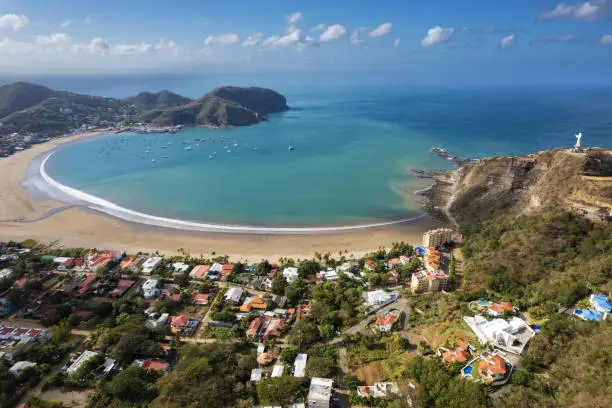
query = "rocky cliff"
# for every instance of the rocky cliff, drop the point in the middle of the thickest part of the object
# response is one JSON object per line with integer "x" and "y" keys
{"x": 525, "y": 184}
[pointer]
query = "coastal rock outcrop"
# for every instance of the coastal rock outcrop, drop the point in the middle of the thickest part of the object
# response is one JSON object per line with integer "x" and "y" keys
{"x": 524, "y": 184}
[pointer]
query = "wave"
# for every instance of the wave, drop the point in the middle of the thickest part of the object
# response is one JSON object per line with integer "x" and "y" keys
{"x": 107, "y": 207}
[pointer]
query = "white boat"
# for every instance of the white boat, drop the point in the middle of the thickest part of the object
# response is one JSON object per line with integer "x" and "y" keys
{"x": 235, "y": 144}
{"x": 210, "y": 156}
{"x": 188, "y": 148}
{"x": 290, "y": 148}
{"x": 164, "y": 147}
{"x": 152, "y": 160}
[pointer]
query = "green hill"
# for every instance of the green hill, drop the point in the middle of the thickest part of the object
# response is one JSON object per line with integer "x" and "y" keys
{"x": 161, "y": 99}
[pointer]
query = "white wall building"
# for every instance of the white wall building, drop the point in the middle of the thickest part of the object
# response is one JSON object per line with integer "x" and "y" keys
{"x": 319, "y": 395}
{"x": 6, "y": 273}
{"x": 150, "y": 290}
{"x": 233, "y": 294}
{"x": 299, "y": 369}
{"x": 150, "y": 264}
{"x": 20, "y": 366}
{"x": 376, "y": 297}
{"x": 180, "y": 267}
{"x": 82, "y": 359}
{"x": 290, "y": 274}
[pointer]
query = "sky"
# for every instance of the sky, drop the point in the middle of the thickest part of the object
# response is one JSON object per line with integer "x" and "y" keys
{"x": 431, "y": 40}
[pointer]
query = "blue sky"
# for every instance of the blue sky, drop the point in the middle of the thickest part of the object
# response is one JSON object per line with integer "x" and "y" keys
{"x": 463, "y": 39}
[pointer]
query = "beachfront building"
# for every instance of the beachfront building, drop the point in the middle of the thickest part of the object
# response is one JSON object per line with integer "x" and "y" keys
{"x": 436, "y": 237}
{"x": 370, "y": 265}
{"x": 199, "y": 272}
{"x": 319, "y": 394}
{"x": 330, "y": 275}
{"x": 432, "y": 259}
{"x": 150, "y": 264}
{"x": 428, "y": 281}
{"x": 290, "y": 274}
{"x": 180, "y": 267}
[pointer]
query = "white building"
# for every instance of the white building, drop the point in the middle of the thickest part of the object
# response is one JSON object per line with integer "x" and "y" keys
{"x": 233, "y": 294}
{"x": 277, "y": 370}
{"x": 150, "y": 264}
{"x": 20, "y": 366}
{"x": 512, "y": 335}
{"x": 378, "y": 390}
{"x": 290, "y": 274}
{"x": 299, "y": 369}
{"x": 435, "y": 238}
{"x": 319, "y": 395}
{"x": 330, "y": 276}
{"x": 150, "y": 290}
{"x": 376, "y": 297}
{"x": 6, "y": 273}
{"x": 256, "y": 374}
{"x": 216, "y": 268}
{"x": 428, "y": 281}
{"x": 155, "y": 323}
{"x": 180, "y": 267}
{"x": 82, "y": 359}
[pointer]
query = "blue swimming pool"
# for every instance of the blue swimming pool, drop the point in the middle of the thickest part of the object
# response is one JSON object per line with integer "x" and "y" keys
{"x": 483, "y": 303}
{"x": 467, "y": 370}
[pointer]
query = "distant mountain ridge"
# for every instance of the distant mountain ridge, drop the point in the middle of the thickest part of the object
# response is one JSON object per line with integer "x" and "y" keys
{"x": 31, "y": 108}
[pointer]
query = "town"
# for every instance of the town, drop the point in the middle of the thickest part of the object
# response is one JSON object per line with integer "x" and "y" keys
{"x": 330, "y": 331}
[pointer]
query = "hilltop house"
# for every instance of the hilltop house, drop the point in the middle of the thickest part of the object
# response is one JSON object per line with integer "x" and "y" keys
{"x": 377, "y": 297}
{"x": 498, "y": 309}
{"x": 290, "y": 274}
{"x": 378, "y": 390}
{"x": 370, "y": 265}
{"x": 385, "y": 322}
{"x": 457, "y": 355}
{"x": 492, "y": 369}
{"x": 600, "y": 303}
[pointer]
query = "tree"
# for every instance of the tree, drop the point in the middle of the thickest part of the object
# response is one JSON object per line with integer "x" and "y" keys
{"x": 263, "y": 268}
{"x": 288, "y": 355}
{"x": 308, "y": 268}
{"x": 295, "y": 291}
{"x": 320, "y": 366}
{"x": 279, "y": 284}
{"x": 238, "y": 268}
{"x": 277, "y": 390}
{"x": 132, "y": 384}
{"x": 350, "y": 382}
{"x": 303, "y": 334}
{"x": 61, "y": 332}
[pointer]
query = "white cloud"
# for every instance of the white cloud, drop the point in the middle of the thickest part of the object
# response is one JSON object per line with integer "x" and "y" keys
{"x": 320, "y": 27}
{"x": 355, "y": 36}
{"x": 252, "y": 40}
{"x": 437, "y": 35}
{"x": 606, "y": 39}
{"x": 14, "y": 21}
{"x": 381, "y": 30}
{"x": 579, "y": 11}
{"x": 294, "y": 18}
{"x": 332, "y": 32}
{"x": 66, "y": 23}
{"x": 53, "y": 39}
{"x": 396, "y": 42}
{"x": 508, "y": 42}
{"x": 223, "y": 39}
{"x": 292, "y": 38}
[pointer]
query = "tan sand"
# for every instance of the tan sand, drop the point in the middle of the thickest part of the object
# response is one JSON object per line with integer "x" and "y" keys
{"x": 76, "y": 227}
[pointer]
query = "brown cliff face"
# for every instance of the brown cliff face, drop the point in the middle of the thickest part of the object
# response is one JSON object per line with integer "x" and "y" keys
{"x": 525, "y": 184}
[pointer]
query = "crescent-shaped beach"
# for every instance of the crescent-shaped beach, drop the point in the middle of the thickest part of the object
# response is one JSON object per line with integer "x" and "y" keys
{"x": 34, "y": 205}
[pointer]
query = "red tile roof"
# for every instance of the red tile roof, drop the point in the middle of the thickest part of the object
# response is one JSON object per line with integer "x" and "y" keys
{"x": 496, "y": 365}
{"x": 179, "y": 321}
{"x": 155, "y": 365}
{"x": 501, "y": 307}
{"x": 200, "y": 298}
{"x": 199, "y": 271}
{"x": 455, "y": 356}
{"x": 386, "y": 319}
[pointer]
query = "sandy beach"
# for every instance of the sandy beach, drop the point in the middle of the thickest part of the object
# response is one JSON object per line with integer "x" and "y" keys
{"x": 53, "y": 221}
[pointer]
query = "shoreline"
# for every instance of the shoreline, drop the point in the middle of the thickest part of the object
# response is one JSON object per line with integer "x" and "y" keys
{"x": 50, "y": 220}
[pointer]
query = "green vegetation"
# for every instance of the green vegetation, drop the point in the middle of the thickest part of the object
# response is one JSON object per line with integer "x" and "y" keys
{"x": 322, "y": 361}
{"x": 277, "y": 391}
{"x": 132, "y": 387}
{"x": 221, "y": 333}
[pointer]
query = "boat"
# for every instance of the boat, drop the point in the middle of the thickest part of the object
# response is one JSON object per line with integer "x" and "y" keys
{"x": 290, "y": 148}
{"x": 164, "y": 157}
{"x": 152, "y": 160}
{"x": 210, "y": 156}
{"x": 164, "y": 147}
{"x": 188, "y": 148}
{"x": 235, "y": 144}
{"x": 254, "y": 148}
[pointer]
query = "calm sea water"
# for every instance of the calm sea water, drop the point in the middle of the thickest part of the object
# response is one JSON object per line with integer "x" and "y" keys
{"x": 354, "y": 145}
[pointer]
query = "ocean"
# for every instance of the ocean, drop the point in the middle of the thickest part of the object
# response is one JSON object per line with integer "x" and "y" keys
{"x": 355, "y": 142}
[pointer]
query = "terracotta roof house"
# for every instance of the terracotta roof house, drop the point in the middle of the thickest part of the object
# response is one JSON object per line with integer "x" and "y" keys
{"x": 498, "y": 309}
{"x": 255, "y": 327}
{"x": 122, "y": 286}
{"x": 246, "y": 307}
{"x": 455, "y": 356}
{"x": 492, "y": 369}
{"x": 274, "y": 328}
{"x": 394, "y": 262}
{"x": 226, "y": 269}
{"x": 463, "y": 345}
{"x": 385, "y": 322}
{"x": 370, "y": 265}
{"x": 179, "y": 323}
{"x": 153, "y": 364}
{"x": 200, "y": 298}
{"x": 259, "y": 303}
{"x": 199, "y": 272}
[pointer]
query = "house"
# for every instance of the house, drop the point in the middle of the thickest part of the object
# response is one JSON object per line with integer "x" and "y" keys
{"x": 498, "y": 309}
{"x": 150, "y": 264}
{"x": 200, "y": 298}
{"x": 6, "y": 273}
{"x": 378, "y": 390}
{"x": 277, "y": 370}
{"x": 319, "y": 394}
{"x": 428, "y": 281}
{"x": 260, "y": 349}
{"x": 180, "y": 267}
{"x": 512, "y": 335}
{"x": 155, "y": 323}
{"x": 82, "y": 359}
{"x": 226, "y": 269}
{"x": 303, "y": 310}
{"x": 385, "y": 322}
{"x": 84, "y": 285}
{"x": 233, "y": 295}
{"x": 154, "y": 364}
{"x": 273, "y": 328}
{"x": 256, "y": 375}
{"x": 150, "y": 289}
{"x": 290, "y": 274}
{"x": 130, "y": 264}
{"x": 216, "y": 268}
{"x": 492, "y": 369}
{"x": 432, "y": 260}
{"x": 435, "y": 238}
{"x": 370, "y": 265}
{"x": 110, "y": 366}
{"x": 199, "y": 272}
{"x": 377, "y": 297}
{"x": 66, "y": 265}
{"x": 404, "y": 259}
{"x": 17, "y": 368}
{"x": 258, "y": 303}
{"x": 330, "y": 276}
{"x": 455, "y": 356}
{"x": 255, "y": 327}
{"x": 600, "y": 303}
{"x": 395, "y": 262}
{"x": 299, "y": 365}
{"x": 122, "y": 286}
{"x": 179, "y": 323}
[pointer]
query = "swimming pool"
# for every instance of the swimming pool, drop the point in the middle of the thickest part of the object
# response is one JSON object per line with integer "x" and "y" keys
{"x": 483, "y": 303}
{"x": 467, "y": 371}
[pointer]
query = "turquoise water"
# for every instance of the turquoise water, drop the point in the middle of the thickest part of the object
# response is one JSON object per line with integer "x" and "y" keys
{"x": 353, "y": 151}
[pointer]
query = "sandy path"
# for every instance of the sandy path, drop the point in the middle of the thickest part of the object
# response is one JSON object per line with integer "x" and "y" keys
{"x": 80, "y": 227}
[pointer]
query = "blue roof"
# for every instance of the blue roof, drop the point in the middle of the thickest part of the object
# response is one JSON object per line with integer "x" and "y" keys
{"x": 588, "y": 314}
{"x": 602, "y": 301}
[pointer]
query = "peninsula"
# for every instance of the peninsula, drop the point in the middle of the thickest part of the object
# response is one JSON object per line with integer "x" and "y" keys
{"x": 31, "y": 113}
